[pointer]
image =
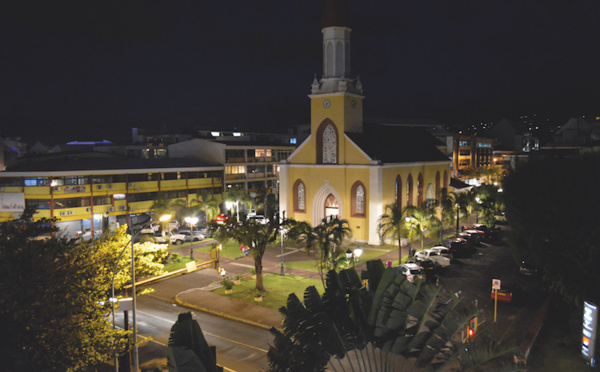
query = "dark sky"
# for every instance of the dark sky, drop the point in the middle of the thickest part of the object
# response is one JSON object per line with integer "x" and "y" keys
{"x": 92, "y": 70}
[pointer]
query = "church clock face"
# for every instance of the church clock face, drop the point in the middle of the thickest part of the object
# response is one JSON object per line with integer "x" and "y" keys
{"x": 326, "y": 103}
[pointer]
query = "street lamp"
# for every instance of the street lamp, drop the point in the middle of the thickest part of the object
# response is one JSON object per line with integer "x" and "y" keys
{"x": 478, "y": 200}
{"x": 191, "y": 221}
{"x": 457, "y": 217}
{"x": 283, "y": 231}
{"x": 163, "y": 218}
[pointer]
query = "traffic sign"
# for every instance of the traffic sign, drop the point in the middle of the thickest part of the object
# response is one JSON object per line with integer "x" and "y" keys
{"x": 496, "y": 284}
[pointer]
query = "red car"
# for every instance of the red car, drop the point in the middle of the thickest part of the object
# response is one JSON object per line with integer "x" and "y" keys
{"x": 507, "y": 293}
{"x": 221, "y": 219}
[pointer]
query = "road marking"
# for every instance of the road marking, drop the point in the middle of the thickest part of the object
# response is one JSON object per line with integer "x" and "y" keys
{"x": 239, "y": 264}
{"x": 207, "y": 333}
{"x": 285, "y": 254}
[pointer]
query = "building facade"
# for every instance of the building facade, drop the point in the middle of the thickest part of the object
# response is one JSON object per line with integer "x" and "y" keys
{"x": 348, "y": 169}
{"x": 97, "y": 192}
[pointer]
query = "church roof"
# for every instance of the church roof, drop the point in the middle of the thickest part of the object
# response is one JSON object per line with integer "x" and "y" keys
{"x": 391, "y": 144}
{"x": 336, "y": 14}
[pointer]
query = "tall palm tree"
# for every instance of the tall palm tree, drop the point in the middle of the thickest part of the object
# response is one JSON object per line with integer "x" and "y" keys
{"x": 209, "y": 204}
{"x": 389, "y": 325}
{"x": 392, "y": 224}
{"x": 446, "y": 205}
{"x": 237, "y": 196}
{"x": 461, "y": 204}
{"x": 421, "y": 222}
{"x": 163, "y": 205}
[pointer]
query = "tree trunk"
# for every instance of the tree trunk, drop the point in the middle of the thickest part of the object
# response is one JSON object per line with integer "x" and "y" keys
{"x": 258, "y": 268}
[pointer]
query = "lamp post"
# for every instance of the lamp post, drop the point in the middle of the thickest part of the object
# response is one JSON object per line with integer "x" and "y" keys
{"x": 457, "y": 217}
{"x": 133, "y": 309}
{"x": 191, "y": 221}
{"x": 478, "y": 200}
{"x": 282, "y": 234}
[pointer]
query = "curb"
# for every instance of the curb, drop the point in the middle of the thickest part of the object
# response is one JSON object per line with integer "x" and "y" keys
{"x": 222, "y": 314}
{"x": 534, "y": 329}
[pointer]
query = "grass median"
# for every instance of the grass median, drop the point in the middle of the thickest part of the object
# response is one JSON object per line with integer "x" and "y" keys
{"x": 277, "y": 289}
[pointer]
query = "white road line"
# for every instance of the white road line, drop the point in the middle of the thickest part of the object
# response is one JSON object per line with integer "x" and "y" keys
{"x": 206, "y": 333}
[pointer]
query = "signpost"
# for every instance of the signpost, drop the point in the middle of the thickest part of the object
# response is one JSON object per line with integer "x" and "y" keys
{"x": 590, "y": 325}
{"x": 496, "y": 285}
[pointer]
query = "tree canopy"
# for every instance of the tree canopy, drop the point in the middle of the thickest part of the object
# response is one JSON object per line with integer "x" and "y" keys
{"x": 389, "y": 325}
{"x": 54, "y": 295}
{"x": 553, "y": 213}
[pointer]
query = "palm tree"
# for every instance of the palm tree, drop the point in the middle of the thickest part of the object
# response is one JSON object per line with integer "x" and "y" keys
{"x": 324, "y": 240}
{"x": 446, "y": 205}
{"x": 163, "y": 205}
{"x": 461, "y": 204}
{"x": 389, "y": 325}
{"x": 209, "y": 204}
{"x": 237, "y": 196}
{"x": 421, "y": 222}
{"x": 392, "y": 223}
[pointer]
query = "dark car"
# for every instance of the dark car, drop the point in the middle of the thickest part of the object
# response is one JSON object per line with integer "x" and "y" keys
{"x": 528, "y": 268}
{"x": 458, "y": 246}
{"x": 489, "y": 233}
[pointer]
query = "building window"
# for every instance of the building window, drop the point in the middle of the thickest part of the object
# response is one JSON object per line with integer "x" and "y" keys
{"x": 299, "y": 196}
{"x": 358, "y": 199}
{"x": 327, "y": 143}
{"x": 420, "y": 189}
{"x": 409, "y": 189}
{"x": 398, "y": 191}
{"x": 437, "y": 185}
{"x": 446, "y": 179}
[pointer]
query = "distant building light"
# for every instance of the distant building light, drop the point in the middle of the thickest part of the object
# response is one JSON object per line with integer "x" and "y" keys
{"x": 237, "y": 134}
{"x": 215, "y": 134}
{"x": 293, "y": 141}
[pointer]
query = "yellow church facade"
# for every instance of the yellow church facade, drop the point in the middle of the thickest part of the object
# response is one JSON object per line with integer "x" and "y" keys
{"x": 348, "y": 169}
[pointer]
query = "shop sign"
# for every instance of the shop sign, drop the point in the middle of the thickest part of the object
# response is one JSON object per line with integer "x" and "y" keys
{"x": 590, "y": 324}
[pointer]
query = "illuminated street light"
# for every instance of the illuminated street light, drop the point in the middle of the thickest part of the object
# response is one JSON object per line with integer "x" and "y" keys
{"x": 136, "y": 361}
{"x": 191, "y": 221}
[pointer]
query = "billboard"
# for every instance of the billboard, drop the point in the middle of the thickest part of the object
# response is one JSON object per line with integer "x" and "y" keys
{"x": 12, "y": 202}
{"x": 590, "y": 324}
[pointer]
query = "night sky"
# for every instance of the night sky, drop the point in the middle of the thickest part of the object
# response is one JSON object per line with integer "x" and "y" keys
{"x": 92, "y": 70}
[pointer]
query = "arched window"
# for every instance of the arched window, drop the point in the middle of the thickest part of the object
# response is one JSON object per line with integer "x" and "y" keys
{"x": 398, "y": 191}
{"x": 358, "y": 199}
{"x": 409, "y": 190}
{"x": 438, "y": 188}
{"x": 420, "y": 189}
{"x": 446, "y": 179}
{"x": 299, "y": 196}
{"x": 327, "y": 143}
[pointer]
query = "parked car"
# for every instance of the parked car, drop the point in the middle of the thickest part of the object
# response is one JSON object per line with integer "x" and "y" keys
{"x": 490, "y": 233}
{"x": 477, "y": 235}
{"x": 528, "y": 268}
{"x": 509, "y": 292}
{"x": 411, "y": 271}
{"x": 444, "y": 251}
{"x": 435, "y": 256}
{"x": 459, "y": 246}
{"x": 221, "y": 219}
{"x": 259, "y": 219}
{"x": 190, "y": 236}
{"x": 168, "y": 237}
{"x": 427, "y": 265}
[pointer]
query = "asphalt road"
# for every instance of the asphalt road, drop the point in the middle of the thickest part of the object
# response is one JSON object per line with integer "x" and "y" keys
{"x": 472, "y": 277}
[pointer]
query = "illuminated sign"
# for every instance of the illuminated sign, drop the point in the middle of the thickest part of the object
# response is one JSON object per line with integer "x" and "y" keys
{"x": 12, "y": 202}
{"x": 590, "y": 323}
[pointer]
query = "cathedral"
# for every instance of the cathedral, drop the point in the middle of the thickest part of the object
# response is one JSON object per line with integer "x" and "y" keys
{"x": 348, "y": 169}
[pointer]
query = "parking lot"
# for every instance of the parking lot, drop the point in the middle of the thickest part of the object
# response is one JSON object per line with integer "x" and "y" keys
{"x": 472, "y": 278}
